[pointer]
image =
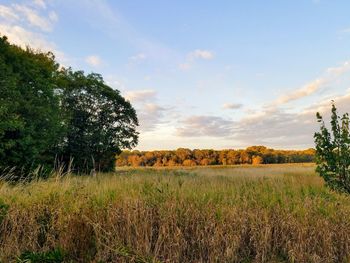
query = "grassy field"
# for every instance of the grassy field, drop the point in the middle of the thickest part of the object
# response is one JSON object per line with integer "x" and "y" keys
{"x": 267, "y": 213}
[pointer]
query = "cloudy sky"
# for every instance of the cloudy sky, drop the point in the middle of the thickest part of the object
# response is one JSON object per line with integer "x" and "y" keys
{"x": 203, "y": 74}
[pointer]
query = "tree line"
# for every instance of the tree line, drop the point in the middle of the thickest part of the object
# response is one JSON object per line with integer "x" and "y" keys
{"x": 51, "y": 115}
{"x": 187, "y": 157}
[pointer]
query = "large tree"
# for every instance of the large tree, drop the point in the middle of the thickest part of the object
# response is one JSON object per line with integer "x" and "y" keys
{"x": 48, "y": 113}
{"x": 99, "y": 122}
{"x": 29, "y": 108}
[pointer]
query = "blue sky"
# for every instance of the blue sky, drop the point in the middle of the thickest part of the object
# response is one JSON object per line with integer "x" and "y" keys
{"x": 203, "y": 74}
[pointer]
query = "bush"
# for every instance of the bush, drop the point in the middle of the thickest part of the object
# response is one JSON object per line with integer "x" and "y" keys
{"x": 53, "y": 256}
{"x": 333, "y": 152}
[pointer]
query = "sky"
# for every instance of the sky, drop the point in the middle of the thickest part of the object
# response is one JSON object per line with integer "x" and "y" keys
{"x": 203, "y": 74}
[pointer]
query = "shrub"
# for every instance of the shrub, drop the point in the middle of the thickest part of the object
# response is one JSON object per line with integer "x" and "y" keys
{"x": 53, "y": 256}
{"x": 333, "y": 152}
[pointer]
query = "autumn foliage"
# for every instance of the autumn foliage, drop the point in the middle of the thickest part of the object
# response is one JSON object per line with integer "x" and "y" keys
{"x": 187, "y": 157}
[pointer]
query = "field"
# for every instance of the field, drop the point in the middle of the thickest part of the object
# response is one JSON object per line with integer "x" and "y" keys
{"x": 265, "y": 213}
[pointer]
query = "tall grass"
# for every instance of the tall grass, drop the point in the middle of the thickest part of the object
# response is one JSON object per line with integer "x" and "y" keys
{"x": 275, "y": 213}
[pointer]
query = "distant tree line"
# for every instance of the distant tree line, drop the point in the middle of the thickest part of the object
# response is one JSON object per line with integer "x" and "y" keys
{"x": 187, "y": 157}
{"x": 53, "y": 115}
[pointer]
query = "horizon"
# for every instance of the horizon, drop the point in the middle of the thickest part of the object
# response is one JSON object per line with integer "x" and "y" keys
{"x": 203, "y": 76}
{"x": 216, "y": 149}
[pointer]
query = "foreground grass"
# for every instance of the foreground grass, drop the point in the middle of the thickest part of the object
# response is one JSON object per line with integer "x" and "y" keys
{"x": 275, "y": 213}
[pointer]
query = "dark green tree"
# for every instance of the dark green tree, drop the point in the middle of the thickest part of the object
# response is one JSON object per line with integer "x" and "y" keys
{"x": 333, "y": 152}
{"x": 48, "y": 114}
{"x": 29, "y": 108}
{"x": 99, "y": 122}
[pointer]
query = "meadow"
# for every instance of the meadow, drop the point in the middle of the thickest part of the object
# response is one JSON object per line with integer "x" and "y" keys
{"x": 263, "y": 213}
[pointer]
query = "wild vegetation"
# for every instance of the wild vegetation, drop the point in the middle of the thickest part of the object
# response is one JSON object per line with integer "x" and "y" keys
{"x": 51, "y": 114}
{"x": 269, "y": 213}
{"x": 64, "y": 121}
{"x": 333, "y": 151}
{"x": 187, "y": 157}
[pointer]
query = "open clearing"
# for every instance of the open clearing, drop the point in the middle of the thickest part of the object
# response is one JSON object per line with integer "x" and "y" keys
{"x": 266, "y": 213}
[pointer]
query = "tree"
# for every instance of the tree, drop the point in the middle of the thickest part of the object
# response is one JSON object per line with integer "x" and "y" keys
{"x": 30, "y": 126}
{"x": 233, "y": 157}
{"x": 251, "y": 155}
{"x": 333, "y": 152}
{"x": 99, "y": 122}
{"x": 256, "y": 159}
{"x": 48, "y": 113}
{"x": 183, "y": 154}
{"x": 189, "y": 162}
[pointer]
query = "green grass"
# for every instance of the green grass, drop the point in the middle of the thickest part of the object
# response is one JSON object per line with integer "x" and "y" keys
{"x": 266, "y": 213}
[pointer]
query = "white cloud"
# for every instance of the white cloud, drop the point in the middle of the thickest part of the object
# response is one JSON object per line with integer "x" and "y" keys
{"x": 26, "y": 15}
{"x": 23, "y": 37}
{"x": 149, "y": 112}
{"x": 53, "y": 16}
{"x": 207, "y": 126}
{"x": 274, "y": 125}
{"x": 310, "y": 88}
{"x": 150, "y": 116}
{"x": 202, "y": 54}
{"x": 8, "y": 13}
{"x": 337, "y": 71}
{"x": 40, "y": 3}
{"x": 282, "y": 129}
{"x": 307, "y": 90}
{"x": 93, "y": 60}
{"x": 232, "y": 106}
{"x": 185, "y": 66}
{"x": 114, "y": 83}
{"x": 195, "y": 55}
{"x": 138, "y": 57}
{"x": 342, "y": 103}
{"x": 33, "y": 18}
{"x": 276, "y": 128}
{"x": 141, "y": 95}
{"x": 24, "y": 26}
{"x": 152, "y": 108}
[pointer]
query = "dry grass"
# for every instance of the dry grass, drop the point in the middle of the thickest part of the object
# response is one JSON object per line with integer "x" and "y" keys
{"x": 274, "y": 213}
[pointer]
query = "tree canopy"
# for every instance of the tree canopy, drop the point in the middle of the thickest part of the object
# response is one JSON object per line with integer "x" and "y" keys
{"x": 99, "y": 121}
{"x": 187, "y": 157}
{"x": 49, "y": 113}
{"x": 29, "y": 108}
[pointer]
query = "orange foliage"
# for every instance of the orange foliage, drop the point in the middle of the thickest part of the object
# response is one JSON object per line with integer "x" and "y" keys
{"x": 187, "y": 157}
